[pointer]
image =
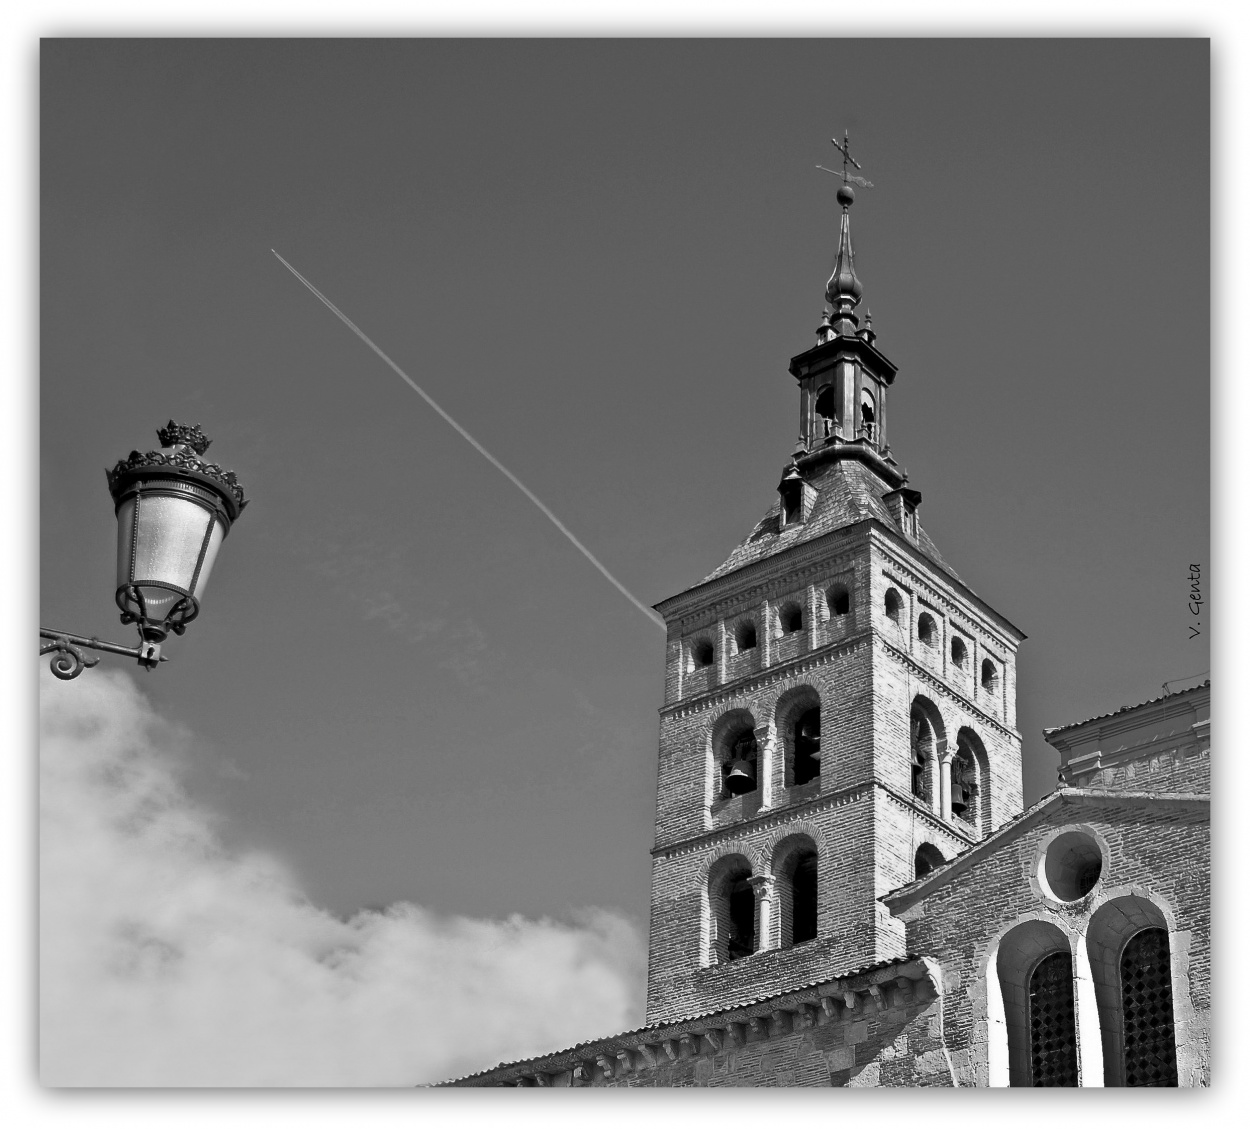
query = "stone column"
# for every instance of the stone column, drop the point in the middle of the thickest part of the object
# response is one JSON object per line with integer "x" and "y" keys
{"x": 765, "y": 886}
{"x": 945, "y": 769}
{"x": 770, "y": 765}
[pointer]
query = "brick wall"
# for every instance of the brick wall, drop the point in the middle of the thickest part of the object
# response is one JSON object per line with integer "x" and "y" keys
{"x": 1156, "y": 851}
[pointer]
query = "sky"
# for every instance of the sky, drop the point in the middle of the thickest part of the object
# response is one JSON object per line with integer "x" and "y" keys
{"x": 406, "y": 687}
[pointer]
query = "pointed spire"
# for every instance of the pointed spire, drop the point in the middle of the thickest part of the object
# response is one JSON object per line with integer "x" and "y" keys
{"x": 844, "y": 289}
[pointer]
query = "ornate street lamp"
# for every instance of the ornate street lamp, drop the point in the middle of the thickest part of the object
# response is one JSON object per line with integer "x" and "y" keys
{"x": 173, "y": 511}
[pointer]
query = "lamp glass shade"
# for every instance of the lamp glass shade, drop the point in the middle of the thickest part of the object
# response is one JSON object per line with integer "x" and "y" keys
{"x": 166, "y": 545}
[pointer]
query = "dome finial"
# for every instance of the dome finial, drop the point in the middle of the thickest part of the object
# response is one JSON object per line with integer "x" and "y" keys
{"x": 844, "y": 289}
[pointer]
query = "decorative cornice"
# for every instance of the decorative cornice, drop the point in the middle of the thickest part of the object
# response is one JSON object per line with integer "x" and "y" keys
{"x": 838, "y": 999}
{"x": 933, "y": 680}
{"x": 177, "y": 461}
{"x": 757, "y": 680}
{"x": 793, "y": 814}
{"x": 992, "y": 621}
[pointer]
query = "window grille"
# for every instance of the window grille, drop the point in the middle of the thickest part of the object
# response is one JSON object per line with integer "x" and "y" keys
{"x": 1052, "y": 1022}
{"x": 1146, "y": 988}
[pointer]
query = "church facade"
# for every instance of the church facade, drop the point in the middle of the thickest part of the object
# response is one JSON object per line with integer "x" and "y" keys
{"x": 846, "y": 888}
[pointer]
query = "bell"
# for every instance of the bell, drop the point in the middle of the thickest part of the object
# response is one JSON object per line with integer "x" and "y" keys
{"x": 959, "y": 799}
{"x": 740, "y": 778}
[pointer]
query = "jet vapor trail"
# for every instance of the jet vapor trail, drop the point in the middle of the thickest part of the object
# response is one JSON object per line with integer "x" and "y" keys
{"x": 476, "y": 445}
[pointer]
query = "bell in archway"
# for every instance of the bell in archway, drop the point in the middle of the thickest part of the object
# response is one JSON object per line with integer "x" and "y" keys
{"x": 740, "y": 778}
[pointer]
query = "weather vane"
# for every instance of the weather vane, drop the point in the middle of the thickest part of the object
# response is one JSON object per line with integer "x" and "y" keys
{"x": 845, "y": 149}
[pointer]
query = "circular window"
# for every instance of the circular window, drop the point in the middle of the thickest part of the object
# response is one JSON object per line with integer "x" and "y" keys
{"x": 1072, "y": 866}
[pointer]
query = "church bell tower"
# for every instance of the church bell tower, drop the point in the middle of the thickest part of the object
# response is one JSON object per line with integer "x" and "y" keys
{"x": 839, "y": 711}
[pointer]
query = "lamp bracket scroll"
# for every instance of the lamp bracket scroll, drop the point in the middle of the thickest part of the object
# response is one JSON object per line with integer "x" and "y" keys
{"x": 68, "y": 660}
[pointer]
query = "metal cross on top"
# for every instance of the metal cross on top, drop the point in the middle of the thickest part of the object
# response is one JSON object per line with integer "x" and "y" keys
{"x": 845, "y": 149}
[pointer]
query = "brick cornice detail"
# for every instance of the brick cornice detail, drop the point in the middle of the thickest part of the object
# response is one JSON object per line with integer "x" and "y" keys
{"x": 748, "y": 684}
{"x": 844, "y": 999}
{"x": 792, "y": 814}
{"x": 932, "y": 680}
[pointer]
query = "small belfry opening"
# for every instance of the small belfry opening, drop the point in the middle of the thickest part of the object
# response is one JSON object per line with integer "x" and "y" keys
{"x": 989, "y": 677}
{"x": 744, "y": 635}
{"x": 839, "y": 600}
{"x": 959, "y": 653}
{"x": 827, "y": 418}
{"x": 928, "y": 859}
{"x": 867, "y": 415}
{"x": 926, "y": 629}
{"x": 893, "y": 605}
{"x": 790, "y": 617}
{"x": 702, "y": 654}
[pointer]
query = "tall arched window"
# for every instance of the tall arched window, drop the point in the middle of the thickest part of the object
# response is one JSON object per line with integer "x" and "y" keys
{"x": 1146, "y": 994}
{"x": 1131, "y": 964}
{"x": 794, "y": 864}
{"x": 731, "y": 909}
{"x": 741, "y": 899}
{"x": 1052, "y": 1022}
{"x": 807, "y": 746}
{"x": 739, "y": 767}
{"x": 928, "y": 740}
{"x": 839, "y": 600}
{"x": 1031, "y": 1035}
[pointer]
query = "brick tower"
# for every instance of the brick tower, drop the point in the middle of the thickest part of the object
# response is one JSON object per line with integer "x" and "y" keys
{"x": 839, "y": 709}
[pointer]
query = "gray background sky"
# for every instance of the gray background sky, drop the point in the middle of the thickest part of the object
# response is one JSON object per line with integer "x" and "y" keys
{"x": 599, "y": 257}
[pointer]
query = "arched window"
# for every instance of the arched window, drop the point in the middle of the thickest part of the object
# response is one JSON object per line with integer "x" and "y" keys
{"x": 827, "y": 417}
{"x": 924, "y": 748}
{"x": 926, "y": 629}
{"x": 839, "y": 600}
{"x": 1031, "y": 1035}
{"x": 928, "y": 858}
{"x": 1052, "y": 1022}
{"x": 702, "y": 654}
{"x": 893, "y": 604}
{"x": 989, "y": 677}
{"x": 731, "y": 909}
{"x": 868, "y": 414}
{"x": 744, "y": 635}
{"x": 1146, "y": 991}
{"x": 794, "y": 863}
{"x": 791, "y": 618}
{"x": 803, "y": 882}
{"x": 959, "y": 652}
{"x": 965, "y": 780}
{"x": 1131, "y": 964}
{"x": 739, "y": 760}
{"x": 807, "y": 746}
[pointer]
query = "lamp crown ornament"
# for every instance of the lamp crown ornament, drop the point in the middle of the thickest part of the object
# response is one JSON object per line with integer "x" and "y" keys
{"x": 173, "y": 434}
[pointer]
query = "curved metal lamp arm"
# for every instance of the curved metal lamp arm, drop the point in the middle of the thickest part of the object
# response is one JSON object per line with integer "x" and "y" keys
{"x": 69, "y": 661}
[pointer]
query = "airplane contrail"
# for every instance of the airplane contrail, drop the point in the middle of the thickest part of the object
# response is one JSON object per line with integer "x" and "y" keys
{"x": 477, "y": 446}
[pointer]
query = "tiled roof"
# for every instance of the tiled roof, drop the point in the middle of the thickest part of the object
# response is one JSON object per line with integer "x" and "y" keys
{"x": 693, "y": 1018}
{"x": 847, "y": 492}
{"x": 1126, "y": 709}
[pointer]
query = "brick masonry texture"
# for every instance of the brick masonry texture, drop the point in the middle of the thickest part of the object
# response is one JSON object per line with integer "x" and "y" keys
{"x": 865, "y": 670}
{"x": 791, "y": 1014}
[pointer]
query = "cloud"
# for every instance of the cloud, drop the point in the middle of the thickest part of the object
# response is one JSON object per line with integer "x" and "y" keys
{"x": 167, "y": 959}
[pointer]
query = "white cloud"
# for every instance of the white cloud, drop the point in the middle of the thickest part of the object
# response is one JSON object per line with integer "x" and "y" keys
{"x": 166, "y": 959}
